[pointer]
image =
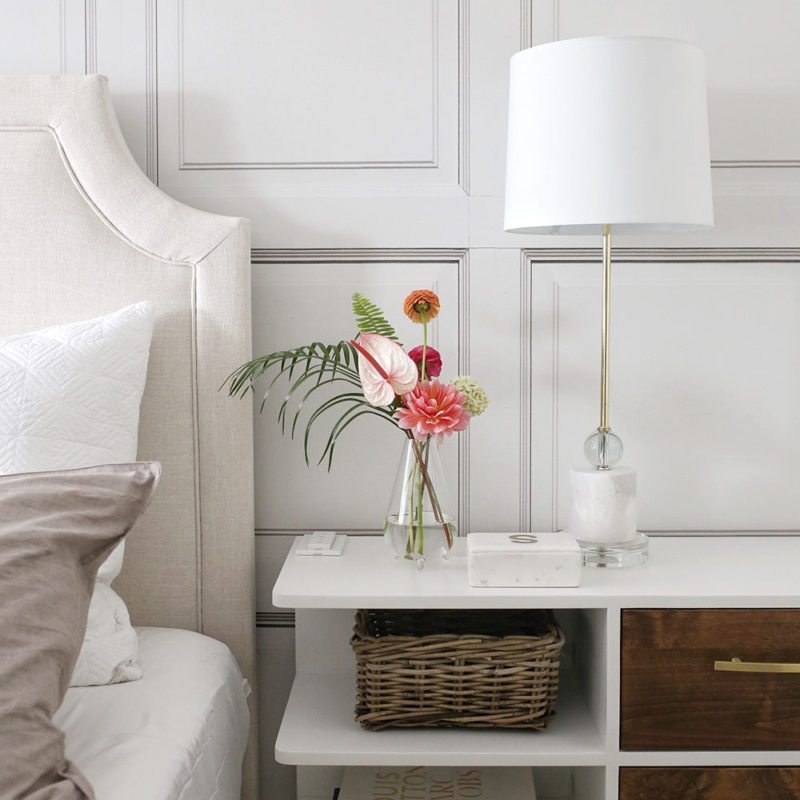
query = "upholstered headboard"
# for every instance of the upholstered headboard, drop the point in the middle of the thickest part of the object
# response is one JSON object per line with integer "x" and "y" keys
{"x": 83, "y": 232}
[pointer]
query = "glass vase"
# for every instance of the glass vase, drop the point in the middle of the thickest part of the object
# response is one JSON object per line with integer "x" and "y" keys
{"x": 420, "y": 525}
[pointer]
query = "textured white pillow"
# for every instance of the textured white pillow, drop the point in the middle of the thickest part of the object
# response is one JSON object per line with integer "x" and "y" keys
{"x": 69, "y": 398}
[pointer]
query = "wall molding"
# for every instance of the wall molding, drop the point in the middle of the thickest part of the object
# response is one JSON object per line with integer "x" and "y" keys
{"x": 526, "y": 386}
{"x": 90, "y": 36}
{"x": 525, "y": 24}
{"x": 275, "y": 619}
{"x": 464, "y": 503}
{"x": 684, "y": 255}
{"x": 151, "y": 89}
{"x": 621, "y": 255}
{"x": 432, "y": 163}
{"x": 745, "y": 164}
{"x": 459, "y": 258}
{"x": 463, "y": 94}
{"x": 552, "y": 9}
{"x": 62, "y": 42}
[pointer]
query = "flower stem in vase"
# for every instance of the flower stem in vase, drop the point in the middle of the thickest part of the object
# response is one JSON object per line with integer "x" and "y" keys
{"x": 420, "y": 514}
{"x": 437, "y": 509}
{"x": 423, "y": 370}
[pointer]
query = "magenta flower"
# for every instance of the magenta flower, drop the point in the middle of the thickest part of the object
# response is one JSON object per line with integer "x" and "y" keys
{"x": 384, "y": 369}
{"x": 432, "y": 409}
{"x": 433, "y": 361}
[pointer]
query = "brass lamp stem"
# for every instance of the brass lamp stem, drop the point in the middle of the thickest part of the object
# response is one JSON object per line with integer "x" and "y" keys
{"x": 606, "y": 340}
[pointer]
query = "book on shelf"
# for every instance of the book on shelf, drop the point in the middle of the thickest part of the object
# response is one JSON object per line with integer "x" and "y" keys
{"x": 437, "y": 783}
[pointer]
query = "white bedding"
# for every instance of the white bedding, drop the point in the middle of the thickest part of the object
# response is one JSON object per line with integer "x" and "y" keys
{"x": 179, "y": 733}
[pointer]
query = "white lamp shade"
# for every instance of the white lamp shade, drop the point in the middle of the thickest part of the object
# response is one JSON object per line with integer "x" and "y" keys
{"x": 608, "y": 131}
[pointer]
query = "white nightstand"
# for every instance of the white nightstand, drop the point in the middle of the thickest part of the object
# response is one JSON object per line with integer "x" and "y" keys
{"x": 579, "y": 756}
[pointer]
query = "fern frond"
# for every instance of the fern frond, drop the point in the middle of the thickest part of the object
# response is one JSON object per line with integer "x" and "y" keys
{"x": 370, "y": 319}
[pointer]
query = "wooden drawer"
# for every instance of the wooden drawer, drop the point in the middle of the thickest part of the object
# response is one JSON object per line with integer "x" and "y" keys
{"x": 674, "y": 699}
{"x": 728, "y": 783}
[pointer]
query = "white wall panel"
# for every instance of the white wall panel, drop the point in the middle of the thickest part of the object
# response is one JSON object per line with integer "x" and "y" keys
{"x": 275, "y": 651}
{"x": 496, "y": 32}
{"x": 125, "y": 34}
{"x": 752, "y": 58}
{"x": 363, "y": 89}
{"x": 499, "y": 442}
{"x": 310, "y": 99}
{"x": 306, "y": 298}
{"x": 43, "y": 36}
{"x": 704, "y": 385}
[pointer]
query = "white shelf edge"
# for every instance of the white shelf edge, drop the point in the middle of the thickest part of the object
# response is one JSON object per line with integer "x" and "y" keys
{"x": 683, "y": 572}
{"x": 318, "y": 729}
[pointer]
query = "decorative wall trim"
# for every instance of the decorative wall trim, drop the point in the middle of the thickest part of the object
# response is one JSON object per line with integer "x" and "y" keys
{"x": 380, "y": 255}
{"x": 275, "y": 619}
{"x": 62, "y": 22}
{"x": 463, "y": 95}
{"x": 464, "y": 504}
{"x": 432, "y": 163}
{"x": 459, "y": 258}
{"x": 90, "y": 35}
{"x": 556, "y": 16}
{"x": 527, "y": 39}
{"x": 151, "y": 89}
{"x": 682, "y": 255}
{"x": 298, "y": 531}
{"x": 525, "y": 24}
{"x": 768, "y": 163}
{"x": 525, "y": 386}
{"x": 656, "y": 255}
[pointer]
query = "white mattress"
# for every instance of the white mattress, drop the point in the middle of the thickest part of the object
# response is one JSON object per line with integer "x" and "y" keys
{"x": 179, "y": 733}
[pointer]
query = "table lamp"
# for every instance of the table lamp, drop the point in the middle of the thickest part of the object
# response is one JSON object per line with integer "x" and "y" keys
{"x": 607, "y": 135}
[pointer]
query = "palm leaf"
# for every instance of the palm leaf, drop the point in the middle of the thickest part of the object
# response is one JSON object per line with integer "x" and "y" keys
{"x": 370, "y": 319}
{"x": 308, "y": 369}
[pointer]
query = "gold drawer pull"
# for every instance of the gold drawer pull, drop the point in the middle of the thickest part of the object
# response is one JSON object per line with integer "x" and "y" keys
{"x": 737, "y": 665}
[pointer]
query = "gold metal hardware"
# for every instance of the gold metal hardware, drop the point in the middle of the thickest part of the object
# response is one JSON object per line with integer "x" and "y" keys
{"x": 605, "y": 351}
{"x": 737, "y": 665}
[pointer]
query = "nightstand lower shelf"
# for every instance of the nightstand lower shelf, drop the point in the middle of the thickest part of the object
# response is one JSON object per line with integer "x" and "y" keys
{"x": 318, "y": 729}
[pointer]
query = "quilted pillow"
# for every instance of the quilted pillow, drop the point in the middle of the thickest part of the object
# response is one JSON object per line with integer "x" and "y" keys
{"x": 69, "y": 398}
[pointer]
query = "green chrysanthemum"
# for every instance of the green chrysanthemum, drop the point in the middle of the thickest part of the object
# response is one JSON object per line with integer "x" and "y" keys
{"x": 476, "y": 401}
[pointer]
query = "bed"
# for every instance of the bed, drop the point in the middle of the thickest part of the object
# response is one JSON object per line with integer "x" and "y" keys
{"x": 83, "y": 233}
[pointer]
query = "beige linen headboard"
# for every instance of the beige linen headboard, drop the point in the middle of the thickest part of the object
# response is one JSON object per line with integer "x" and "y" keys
{"x": 83, "y": 232}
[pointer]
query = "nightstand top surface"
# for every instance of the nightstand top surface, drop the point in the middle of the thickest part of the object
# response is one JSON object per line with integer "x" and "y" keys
{"x": 686, "y": 571}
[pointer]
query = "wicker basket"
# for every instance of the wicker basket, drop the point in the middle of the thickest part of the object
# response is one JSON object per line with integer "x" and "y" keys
{"x": 470, "y": 669}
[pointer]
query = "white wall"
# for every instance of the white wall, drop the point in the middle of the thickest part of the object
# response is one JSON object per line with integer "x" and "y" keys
{"x": 365, "y": 139}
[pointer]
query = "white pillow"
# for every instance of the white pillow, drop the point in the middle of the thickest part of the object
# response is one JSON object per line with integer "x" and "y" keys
{"x": 69, "y": 398}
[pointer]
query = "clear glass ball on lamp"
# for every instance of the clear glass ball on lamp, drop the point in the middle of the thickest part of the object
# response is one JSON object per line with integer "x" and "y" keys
{"x": 603, "y": 449}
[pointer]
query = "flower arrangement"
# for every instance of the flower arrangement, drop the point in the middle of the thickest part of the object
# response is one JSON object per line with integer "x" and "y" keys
{"x": 381, "y": 380}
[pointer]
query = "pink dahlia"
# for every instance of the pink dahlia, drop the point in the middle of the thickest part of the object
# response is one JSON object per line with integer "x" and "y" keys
{"x": 433, "y": 361}
{"x": 432, "y": 409}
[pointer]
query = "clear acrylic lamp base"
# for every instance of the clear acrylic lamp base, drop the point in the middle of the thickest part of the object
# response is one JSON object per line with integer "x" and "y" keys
{"x": 616, "y": 555}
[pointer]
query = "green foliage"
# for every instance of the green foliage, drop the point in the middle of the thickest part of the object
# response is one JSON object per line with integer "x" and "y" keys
{"x": 370, "y": 318}
{"x": 308, "y": 369}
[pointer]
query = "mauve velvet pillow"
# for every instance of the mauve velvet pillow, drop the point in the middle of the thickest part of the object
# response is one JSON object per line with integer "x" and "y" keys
{"x": 56, "y": 529}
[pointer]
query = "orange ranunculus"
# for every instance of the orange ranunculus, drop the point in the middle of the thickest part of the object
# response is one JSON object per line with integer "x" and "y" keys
{"x": 422, "y": 305}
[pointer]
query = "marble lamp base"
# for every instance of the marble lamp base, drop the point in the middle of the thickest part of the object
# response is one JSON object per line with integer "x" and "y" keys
{"x": 602, "y": 517}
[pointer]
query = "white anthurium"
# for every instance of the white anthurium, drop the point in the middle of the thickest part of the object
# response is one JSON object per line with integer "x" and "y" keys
{"x": 384, "y": 368}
